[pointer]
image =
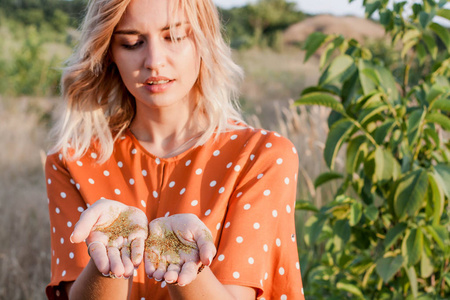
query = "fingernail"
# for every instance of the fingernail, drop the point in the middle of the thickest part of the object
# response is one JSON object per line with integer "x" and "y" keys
{"x": 158, "y": 279}
{"x": 70, "y": 238}
{"x": 181, "y": 285}
{"x": 210, "y": 261}
{"x": 106, "y": 275}
{"x": 126, "y": 278}
{"x": 150, "y": 277}
{"x": 169, "y": 281}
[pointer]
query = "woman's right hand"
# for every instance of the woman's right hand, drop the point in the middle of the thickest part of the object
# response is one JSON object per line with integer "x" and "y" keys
{"x": 115, "y": 234}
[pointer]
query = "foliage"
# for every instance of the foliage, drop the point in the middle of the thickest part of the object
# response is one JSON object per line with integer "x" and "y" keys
{"x": 260, "y": 24}
{"x": 386, "y": 233}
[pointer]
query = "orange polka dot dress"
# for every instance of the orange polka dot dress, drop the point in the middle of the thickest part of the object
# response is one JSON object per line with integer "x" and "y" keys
{"x": 242, "y": 185}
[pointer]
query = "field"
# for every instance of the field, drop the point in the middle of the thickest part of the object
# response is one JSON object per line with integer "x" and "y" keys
{"x": 273, "y": 80}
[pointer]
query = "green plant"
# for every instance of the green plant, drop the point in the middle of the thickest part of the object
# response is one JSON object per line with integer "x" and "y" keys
{"x": 386, "y": 233}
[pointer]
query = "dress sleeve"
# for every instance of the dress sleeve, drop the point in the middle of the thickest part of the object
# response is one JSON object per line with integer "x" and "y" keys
{"x": 65, "y": 207}
{"x": 257, "y": 247}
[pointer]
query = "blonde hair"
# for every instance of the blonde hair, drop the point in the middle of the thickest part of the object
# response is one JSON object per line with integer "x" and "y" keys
{"x": 98, "y": 107}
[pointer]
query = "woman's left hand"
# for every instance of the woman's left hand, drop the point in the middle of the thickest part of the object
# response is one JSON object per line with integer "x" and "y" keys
{"x": 177, "y": 246}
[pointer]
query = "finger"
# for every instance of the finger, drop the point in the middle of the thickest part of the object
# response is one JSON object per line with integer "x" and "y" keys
{"x": 171, "y": 275}
{"x": 115, "y": 261}
{"x": 98, "y": 253}
{"x": 161, "y": 270}
{"x": 150, "y": 262}
{"x": 188, "y": 273}
{"x": 84, "y": 226}
{"x": 137, "y": 250}
{"x": 126, "y": 260}
{"x": 156, "y": 227}
{"x": 205, "y": 244}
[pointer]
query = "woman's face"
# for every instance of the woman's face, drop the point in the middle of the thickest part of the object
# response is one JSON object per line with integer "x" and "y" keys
{"x": 158, "y": 71}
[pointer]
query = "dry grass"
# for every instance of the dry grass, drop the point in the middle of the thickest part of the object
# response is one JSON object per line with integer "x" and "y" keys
{"x": 272, "y": 79}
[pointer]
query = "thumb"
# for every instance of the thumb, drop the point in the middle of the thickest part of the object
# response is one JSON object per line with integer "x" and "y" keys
{"x": 84, "y": 226}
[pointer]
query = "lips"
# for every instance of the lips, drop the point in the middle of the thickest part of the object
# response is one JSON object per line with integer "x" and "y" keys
{"x": 158, "y": 84}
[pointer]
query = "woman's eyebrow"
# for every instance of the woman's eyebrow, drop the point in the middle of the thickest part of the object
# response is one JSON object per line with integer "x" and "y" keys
{"x": 136, "y": 32}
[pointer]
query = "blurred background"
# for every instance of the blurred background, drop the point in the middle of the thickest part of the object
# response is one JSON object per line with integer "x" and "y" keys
{"x": 37, "y": 36}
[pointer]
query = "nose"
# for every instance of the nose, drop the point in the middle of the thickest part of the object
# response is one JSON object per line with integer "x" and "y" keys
{"x": 155, "y": 57}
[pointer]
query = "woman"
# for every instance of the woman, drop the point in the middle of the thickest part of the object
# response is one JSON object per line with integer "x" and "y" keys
{"x": 151, "y": 133}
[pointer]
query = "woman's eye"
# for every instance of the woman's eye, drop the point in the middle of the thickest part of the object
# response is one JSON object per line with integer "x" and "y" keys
{"x": 132, "y": 46}
{"x": 175, "y": 38}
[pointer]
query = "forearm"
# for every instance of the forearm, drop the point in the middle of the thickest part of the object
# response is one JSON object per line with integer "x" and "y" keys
{"x": 207, "y": 286}
{"x": 91, "y": 284}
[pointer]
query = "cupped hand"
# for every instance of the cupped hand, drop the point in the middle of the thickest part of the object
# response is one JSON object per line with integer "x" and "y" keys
{"x": 176, "y": 248}
{"x": 115, "y": 234}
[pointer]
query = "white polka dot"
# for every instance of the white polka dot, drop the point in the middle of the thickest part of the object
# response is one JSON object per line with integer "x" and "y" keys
{"x": 295, "y": 176}
{"x": 227, "y": 225}
{"x": 279, "y": 161}
{"x": 106, "y": 173}
{"x": 302, "y": 292}
{"x": 72, "y": 181}
{"x": 60, "y": 156}
{"x": 229, "y": 165}
{"x": 131, "y": 181}
{"x": 222, "y": 189}
{"x": 54, "y": 229}
{"x": 188, "y": 163}
{"x": 172, "y": 184}
{"x": 218, "y": 226}
{"x": 167, "y": 214}
{"x": 247, "y": 206}
{"x": 80, "y": 209}
{"x": 286, "y": 180}
{"x": 288, "y": 209}
{"x": 163, "y": 284}
{"x": 182, "y": 191}
{"x": 256, "y": 226}
{"x": 194, "y": 203}
{"x": 144, "y": 173}
{"x": 63, "y": 273}
{"x": 269, "y": 145}
{"x": 91, "y": 181}
{"x": 221, "y": 257}
{"x": 216, "y": 153}
{"x": 239, "y": 194}
{"x": 208, "y": 212}
{"x": 155, "y": 194}
{"x": 57, "y": 210}
{"x": 142, "y": 298}
{"x": 199, "y": 171}
{"x": 266, "y": 192}
{"x": 297, "y": 265}
{"x": 57, "y": 261}
{"x": 294, "y": 150}
{"x": 237, "y": 168}
{"x": 78, "y": 186}
{"x": 260, "y": 176}
{"x": 277, "y": 134}
{"x": 79, "y": 163}
{"x": 278, "y": 242}
{"x": 263, "y": 132}
{"x": 94, "y": 155}
{"x": 234, "y": 137}
{"x": 293, "y": 238}
{"x": 251, "y": 260}
{"x": 69, "y": 224}
{"x": 266, "y": 276}
{"x": 239, "y": 239}
{"x": 63, "y": 195}
{"x": 158, "y": 161}
{"x": 49, "y": 181}
{"x": 252, "y": 157}
{"x": 143, "y": 203}
{"x": 71, "y": 255}
{"x": 120, "y": 164}
{"x": 236, "y": 275}
{"x": 117, "y": 191}
{"x": 62, "y": 241}
{"x": 58, "y": 293}
{"x": 54, "y": 167}
{"x": 134, "y": 151}
{"x": 212, "y": 183}
{"x": 274, "y": 213}
{"x": 283, "y": 297}
{"x": 266, "y": 248}
{"x": 135, "y": 273}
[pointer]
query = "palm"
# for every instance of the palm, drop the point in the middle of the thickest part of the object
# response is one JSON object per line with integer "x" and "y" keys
{"x": 115, "y": 234}
{"x": 176, "y": 248}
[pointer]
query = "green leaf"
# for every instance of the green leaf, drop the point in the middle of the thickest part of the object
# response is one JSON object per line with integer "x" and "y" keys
{"x": 371, "y": 212}
{"x": 410, "y": 193}
{"x": 325, "y": 177}
{"x": 321, "y": 99}
{"x": 356, "y": 150}
{"x": 394, "y": 234}
{"x": 407, "y": 46}
{"x": 424, "y": 19}
{"x": 435, "y": 93}
{"x": 388, "y": 266}
{"x": 443, "y": 177}
{"x": 412, "y": 276}
{"x": 367, "y": 114}
{"x": 384, "y": 164}
{"x": 431, "y": 44}
{"x": 340, "y": 69}
{"x": 336, "y": 136}
{"x": 439, "y": 234}
{"x": 436, "y": 198}
{"x": 305, "y": 205}
{"x": 371, "y": 7}
{"x": 355, "y": 213}
{"x": 442, "y": 33}
{"x": 442, "y": 104}
{"x": 426, "y": 266}
{"x": 440, "y": 119}
{"x": 412, "y": 246}
{"x": 383, "y": 130}
{"x": 331, "y": 47}
{"x": 421, "y": 53}
{"x": 444, "y": 12}
{"x": 313, "y": 42}
{"x": 313, "y": 228}
{"x": 414, "y": 122}
{"x": 350, "y": 288}
{"x": 342, "y": 232}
